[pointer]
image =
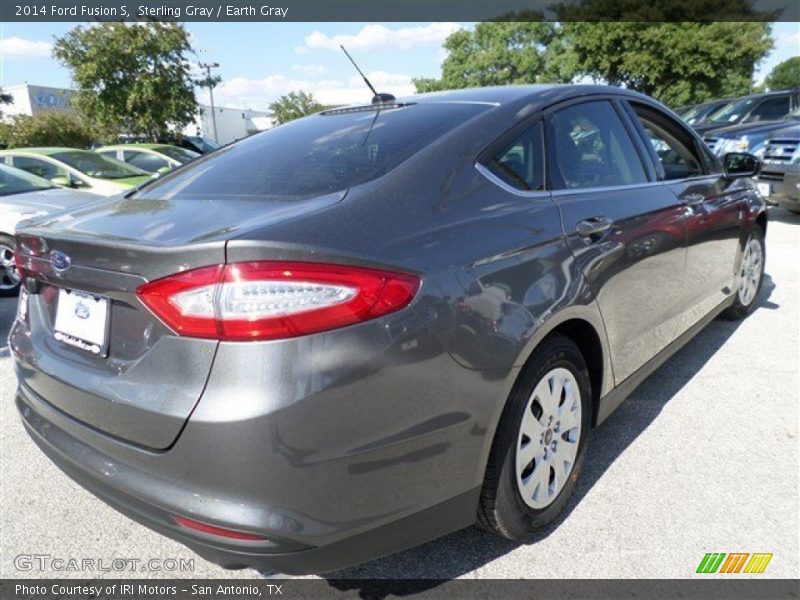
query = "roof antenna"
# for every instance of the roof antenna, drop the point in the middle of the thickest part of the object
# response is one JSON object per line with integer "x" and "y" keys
{"x": 376, "y": 97}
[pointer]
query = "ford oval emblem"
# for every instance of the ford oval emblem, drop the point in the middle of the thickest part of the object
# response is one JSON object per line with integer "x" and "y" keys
{"x": 60, "y": 261}
{"x": 82, "y": 311}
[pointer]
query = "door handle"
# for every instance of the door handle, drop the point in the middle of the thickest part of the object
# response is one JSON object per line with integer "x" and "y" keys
{"x": 694, "y": 199}
{"x": 593, "y": 226}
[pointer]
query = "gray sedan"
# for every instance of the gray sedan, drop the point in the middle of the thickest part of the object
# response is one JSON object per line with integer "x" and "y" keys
{"x": 375, "y": 325}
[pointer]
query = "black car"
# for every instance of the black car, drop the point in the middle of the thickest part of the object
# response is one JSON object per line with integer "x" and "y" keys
{"x": 771, "y": 106}
{"x": 747, "y": 137}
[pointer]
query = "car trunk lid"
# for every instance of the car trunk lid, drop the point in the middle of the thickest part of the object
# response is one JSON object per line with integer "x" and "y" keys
{"x": 144, "y": 385}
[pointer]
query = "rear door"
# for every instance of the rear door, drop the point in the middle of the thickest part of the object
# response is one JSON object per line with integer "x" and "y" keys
{"x": 713, "y": 207}
{"x": 625, "y": 227}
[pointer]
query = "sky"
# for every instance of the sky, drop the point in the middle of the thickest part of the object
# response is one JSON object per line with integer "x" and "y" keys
{"x": 259, "y": 62}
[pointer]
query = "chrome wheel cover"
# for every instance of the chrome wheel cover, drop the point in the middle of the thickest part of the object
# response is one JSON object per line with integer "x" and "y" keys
{"x": 750, "y": 275}
{"x": 548, "y": 438}
{"x": 9, "y": 276}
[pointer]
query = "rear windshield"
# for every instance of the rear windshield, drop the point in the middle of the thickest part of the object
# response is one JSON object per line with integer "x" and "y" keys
{"x": 17, "y": 181}
{"x": 314, "y": 156}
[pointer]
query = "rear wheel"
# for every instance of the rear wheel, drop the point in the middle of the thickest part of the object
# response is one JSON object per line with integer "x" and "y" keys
{"x": 9, "y": 276}
{"x": 540, "y": 444}
{"x": 751, "y": 274}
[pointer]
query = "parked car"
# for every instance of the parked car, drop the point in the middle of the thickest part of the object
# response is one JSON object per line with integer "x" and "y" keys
{"x": 770, "y": 106}
{"x": 153, "y": 158}
{"x": 404, "y": 322}
{"x": 79, "y": 169}
{"x": 24, "y": 196}
{"x": 779, "y": 179}
{"x": 747, "y": 137}
{"x": 696, "y": 113}
{"x": 198, "y": 143}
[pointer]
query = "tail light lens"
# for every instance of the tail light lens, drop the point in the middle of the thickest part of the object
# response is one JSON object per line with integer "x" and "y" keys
{"x": 274, "y": 300}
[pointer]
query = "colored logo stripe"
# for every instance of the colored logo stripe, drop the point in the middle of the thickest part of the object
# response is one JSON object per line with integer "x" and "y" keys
{"x": 714, "y": 562}
{"x": 758, "y": 563}
{"x": 734, "y": 562}
{"x": 710, "y": 562}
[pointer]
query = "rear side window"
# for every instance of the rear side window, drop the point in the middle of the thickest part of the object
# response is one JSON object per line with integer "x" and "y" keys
{"x": 592, "y": 148}
{"x": 771, "y": 109}
{"x": 317, "y": 155}
{"x": 520, "y": 163}
{"x": 145, "y": 161}
{"x": 40, "y": 168}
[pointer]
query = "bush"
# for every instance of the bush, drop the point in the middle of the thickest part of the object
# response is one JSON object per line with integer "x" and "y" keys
{"x": 47, "y": 129}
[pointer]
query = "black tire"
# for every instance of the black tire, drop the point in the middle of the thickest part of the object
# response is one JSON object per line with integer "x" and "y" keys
{"x": 739, "y": 310}
{"x": 502, "y": 508}
{"x": 8, "y": 242}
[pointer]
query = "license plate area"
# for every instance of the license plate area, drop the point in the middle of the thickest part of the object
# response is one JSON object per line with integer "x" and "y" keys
{"x": 82, "y": 321}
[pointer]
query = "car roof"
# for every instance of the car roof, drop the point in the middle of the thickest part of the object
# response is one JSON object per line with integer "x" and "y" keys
{"x": 506, "y": 94}
{"x": 533, "y": 97}
{"x": 143, "y": 146}
{"x": 765, "y": 94}
{"x": 43, "y": 151}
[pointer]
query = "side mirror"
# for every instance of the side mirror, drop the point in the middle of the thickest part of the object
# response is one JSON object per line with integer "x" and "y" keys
{"x": 62, "y": 180}
{"x": 740, "y": 164}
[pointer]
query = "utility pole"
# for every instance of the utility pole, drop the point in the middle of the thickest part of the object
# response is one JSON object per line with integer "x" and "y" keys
{"x": 211, "y": 82}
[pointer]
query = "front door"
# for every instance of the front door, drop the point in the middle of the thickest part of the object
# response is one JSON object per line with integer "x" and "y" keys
{"x": 713, "y": 206}
{"x": 626, "y": 229}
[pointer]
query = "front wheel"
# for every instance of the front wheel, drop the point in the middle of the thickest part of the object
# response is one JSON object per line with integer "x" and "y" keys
{"x": 9, "y": 276}
{"x": 751, "y": 274}
{"x": 540, "y": 444}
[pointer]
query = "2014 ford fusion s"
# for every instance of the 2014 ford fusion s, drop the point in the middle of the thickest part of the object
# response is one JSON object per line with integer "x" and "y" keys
{"x": 378, "y": 324}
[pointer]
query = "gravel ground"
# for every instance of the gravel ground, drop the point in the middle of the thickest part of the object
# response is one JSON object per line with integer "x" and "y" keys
{"x": 703, "y": 457}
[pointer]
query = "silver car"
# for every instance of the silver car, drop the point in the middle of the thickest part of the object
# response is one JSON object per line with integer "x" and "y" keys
{"x": 24, "y": 196}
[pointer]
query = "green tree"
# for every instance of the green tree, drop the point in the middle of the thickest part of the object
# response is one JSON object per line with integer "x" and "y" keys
{"x": 678, "y": 63}
{"x": 132, "y": 79}
{"x": 47, "y": 129}
{"x": 784, "y": 76}
{"x": 523, "y": 50}
{"x": 293, "y": 106}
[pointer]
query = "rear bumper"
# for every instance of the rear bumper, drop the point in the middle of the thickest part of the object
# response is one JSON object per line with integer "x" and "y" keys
{"x": 784, "y": 182}
{"x": 109, "y": 480}
{"x": 335, "y": 448}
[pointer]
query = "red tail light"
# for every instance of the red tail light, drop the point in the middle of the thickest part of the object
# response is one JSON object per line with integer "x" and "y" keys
{"x": 218, "y": 531}
{"x": 274, "y": 300}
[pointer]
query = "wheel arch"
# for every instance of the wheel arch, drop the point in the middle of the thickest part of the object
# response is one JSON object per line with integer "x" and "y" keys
{"x": 583, "y": 325}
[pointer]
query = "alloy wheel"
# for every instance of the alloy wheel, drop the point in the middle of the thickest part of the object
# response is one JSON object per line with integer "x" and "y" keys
{"x": 9, "y": 276}
{"x": 547, "y": 444}
{"x": 750, "y": 275}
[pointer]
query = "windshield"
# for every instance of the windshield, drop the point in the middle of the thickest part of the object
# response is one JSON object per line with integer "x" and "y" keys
{"x": 182, "y": 155}
{"x": 697, "y": 112}
{"x": 205, "y": 144}
{"x": 97, "y": 165}
{"x": 317, "y": 155}
{"x": 17, "y": 181}
{"x": 732, "y": 112}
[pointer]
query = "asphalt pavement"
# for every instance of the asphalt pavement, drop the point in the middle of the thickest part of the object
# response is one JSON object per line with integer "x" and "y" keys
{"x": 703, "y": 457}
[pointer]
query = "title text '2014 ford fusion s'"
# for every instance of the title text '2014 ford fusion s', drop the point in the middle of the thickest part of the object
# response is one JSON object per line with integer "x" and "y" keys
{"x": 379, "y": 324}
